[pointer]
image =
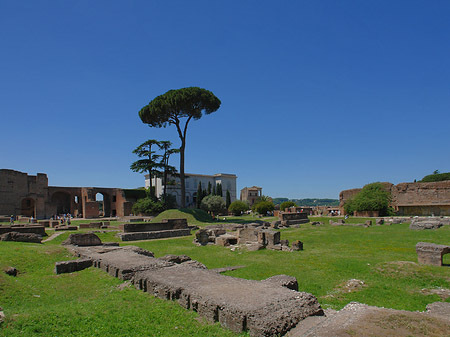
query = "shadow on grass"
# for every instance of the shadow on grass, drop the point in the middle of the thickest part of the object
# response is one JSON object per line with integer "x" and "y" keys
{"x": 198, "y": 214}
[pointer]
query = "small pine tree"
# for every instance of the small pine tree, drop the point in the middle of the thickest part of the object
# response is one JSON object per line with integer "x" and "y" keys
{"x": 228, "y": 199}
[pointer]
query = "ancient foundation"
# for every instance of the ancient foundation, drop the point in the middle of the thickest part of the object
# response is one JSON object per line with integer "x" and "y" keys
{"x": 167, "y": 228}
{"x": 430, "y": 253}
{"x": 264, "y": 308}
{"x": 35, "y": 229}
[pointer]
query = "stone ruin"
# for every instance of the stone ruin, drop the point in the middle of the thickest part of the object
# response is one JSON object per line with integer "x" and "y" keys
{"x": 264, "y": 308}
{"x": 342, "y": 222}
{"x": 167, "y": 228}
{"x": 253, "y": 237}
{"x": 430, "y": 253}
{"x": 420, "y": 223}
{"x": 21, "y": 237}
{"x": 23, "y": 228}
{"x": 288, "y": 219}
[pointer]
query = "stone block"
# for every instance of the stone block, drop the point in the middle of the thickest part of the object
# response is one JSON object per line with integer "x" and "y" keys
{"x": 226, "y": 240}
{"x": 11, "y": 271}
{"x": 430, "y": 253}
{"x": 421, "y": 224}
{"x": 379, "y": 221}
{"x": 286, "y": 281}
{"x": 247, "y": 235}
{"x": 202, "y": 236}
{"x": 83, "y": 239}
{"x": 72, "y": 266}
{"x": 254, "y": 246}
{"x": 154, "y": 234}
{"x": 297, "y": 245}
{"x": 368, "y": 223}
{"x": 21, "y": 237}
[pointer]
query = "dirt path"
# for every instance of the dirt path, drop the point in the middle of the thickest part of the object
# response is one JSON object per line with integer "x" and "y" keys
{"x": 51, "y": 237}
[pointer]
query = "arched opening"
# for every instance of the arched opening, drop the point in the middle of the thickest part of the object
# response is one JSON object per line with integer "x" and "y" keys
{"x": 104, "y": 204}
{"x": 99, "y": 200}
{"x": 28, "y": 207}
{"x": 61, "y": 202}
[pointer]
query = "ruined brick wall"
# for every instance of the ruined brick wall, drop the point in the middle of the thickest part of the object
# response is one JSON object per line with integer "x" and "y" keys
{"x": 413, "y": 198}
{"x": 422, "y": 198}
{"x": 22, "y": 194}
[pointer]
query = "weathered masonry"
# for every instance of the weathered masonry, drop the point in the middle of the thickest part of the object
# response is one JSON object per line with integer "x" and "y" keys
{"x": 265, "y": 308}
{"x": 418, "y": 198}
{"x": 27, "y": 195}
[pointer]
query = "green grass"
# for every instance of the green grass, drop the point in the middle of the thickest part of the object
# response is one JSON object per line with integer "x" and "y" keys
{"x": 193, "y": 216}
{"x": 89, "y": 302}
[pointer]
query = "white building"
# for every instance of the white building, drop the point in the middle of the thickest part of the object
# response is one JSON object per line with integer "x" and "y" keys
{"x": 228, "y": 182}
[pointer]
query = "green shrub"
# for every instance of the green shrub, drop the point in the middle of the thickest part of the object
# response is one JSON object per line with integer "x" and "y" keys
{"x": 436, "y": 177}
{"x": 147, "y": 206}
{"x": 287, "y": 204}
{"x": 372, "y": 197}
{"x": 263, "y": 207}
{"x": 238, "y": 207}
{"x": 213, "y": 204}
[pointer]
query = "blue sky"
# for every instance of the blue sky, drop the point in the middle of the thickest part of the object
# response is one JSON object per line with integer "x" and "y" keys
{"x": 317, "y": 96}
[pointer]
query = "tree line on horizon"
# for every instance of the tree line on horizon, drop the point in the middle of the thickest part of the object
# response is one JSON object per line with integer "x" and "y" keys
{"x": 308, "y": 201}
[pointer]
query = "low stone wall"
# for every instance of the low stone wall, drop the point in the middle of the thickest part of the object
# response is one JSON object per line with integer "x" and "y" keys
{"x": 36, "y": 229}
{"x": 134, "y": 236}
{"x": 290, "y": 219}
{"x": 166, "y": 224}
{"x": 264, "y": 308}
{"x": 72, "y": 266}
{"x": 48, "y": 223}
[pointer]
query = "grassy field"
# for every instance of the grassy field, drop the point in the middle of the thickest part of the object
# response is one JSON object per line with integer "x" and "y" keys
{"x": 91, "y": 303}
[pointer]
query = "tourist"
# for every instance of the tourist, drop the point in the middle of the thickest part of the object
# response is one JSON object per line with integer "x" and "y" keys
{"x": 11, "y": 220}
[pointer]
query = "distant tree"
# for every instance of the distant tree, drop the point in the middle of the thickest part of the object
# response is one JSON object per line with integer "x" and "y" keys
{"x": 209, "y": 188}
{"x": 238, "y": 207}
{"x": 228, "y": 199}
{"x": 287, "y": 204}
{"x": 165, "y": 145}
{"x": 171, "y": 107}
{"x": 372, "y": 197}
{"x": 214, "y": 190}
{"x": 262, "y": 198}
{"x": 219, "y": 191}
{"x": 199, "y": 195}
{"x": 150, "y": 163}
{"x": 213, "y": 204}
{"x": 436, "y": 177}
{"x": 264, "y": 206}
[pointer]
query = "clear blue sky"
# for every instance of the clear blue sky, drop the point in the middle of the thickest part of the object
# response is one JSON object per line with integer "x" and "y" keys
{"x": 317, "y": 96}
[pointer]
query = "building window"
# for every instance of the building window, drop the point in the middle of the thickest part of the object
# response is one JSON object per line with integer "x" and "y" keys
{"x": 114, "y": 198}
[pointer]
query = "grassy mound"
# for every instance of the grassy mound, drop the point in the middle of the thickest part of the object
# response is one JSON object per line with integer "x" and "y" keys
{"x": 193, "y": 216}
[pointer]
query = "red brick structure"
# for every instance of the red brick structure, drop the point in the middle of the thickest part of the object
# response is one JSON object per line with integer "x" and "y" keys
{"x": 23, "y": 194}
{"x": 418, "y": 198}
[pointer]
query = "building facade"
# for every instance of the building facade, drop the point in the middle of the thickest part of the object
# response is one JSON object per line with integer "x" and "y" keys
{"x": 27, "y": 195}
{"x": 228, "y": 182}
{"x": 250, "y": 194}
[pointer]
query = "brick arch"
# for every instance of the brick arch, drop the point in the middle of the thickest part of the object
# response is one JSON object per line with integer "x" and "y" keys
{"x": 28, "y": 207}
